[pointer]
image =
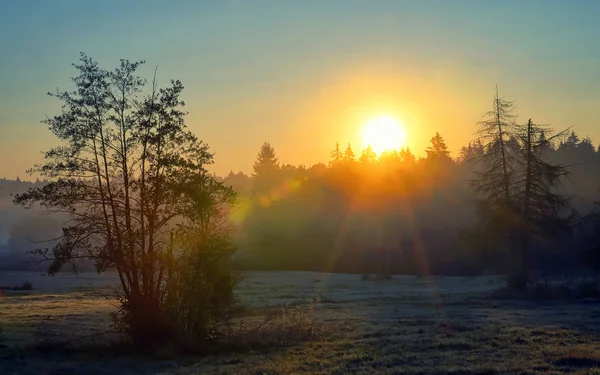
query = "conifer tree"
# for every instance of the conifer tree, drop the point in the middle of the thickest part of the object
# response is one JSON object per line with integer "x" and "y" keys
{"x": 438, "y": 151}
{"x": 349, "y": 155}
{"x": 336, "y": 155}
{"x": 266, "y": 167}
{"x": 368, "y": 155}
{"x": 406, "y": 156}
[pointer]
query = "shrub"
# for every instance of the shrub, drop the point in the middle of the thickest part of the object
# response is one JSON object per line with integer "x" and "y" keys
{"x": 25, "y": 286}
{"x": 546, "y": 290}
{"x": 198, "y": 299}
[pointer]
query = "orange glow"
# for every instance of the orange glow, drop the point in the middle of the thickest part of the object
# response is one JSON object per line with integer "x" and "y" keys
{"x": 383, "y": 133}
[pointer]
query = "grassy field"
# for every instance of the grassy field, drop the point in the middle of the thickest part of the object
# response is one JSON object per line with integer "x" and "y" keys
{"x": 408, "y": 325}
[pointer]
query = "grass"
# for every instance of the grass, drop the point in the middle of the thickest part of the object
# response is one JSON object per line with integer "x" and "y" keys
{"x": 404, "y": 326}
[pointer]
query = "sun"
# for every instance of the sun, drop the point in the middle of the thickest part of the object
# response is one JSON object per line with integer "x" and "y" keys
{"x": 383, "y": 133}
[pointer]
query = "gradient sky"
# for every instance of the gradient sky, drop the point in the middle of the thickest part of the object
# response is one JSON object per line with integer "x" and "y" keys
{"x": 303, "y": 74}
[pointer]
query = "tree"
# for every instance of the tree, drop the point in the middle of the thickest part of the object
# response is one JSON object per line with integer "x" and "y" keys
{"x": 520, "y": 202}
{"x": 493, "y": 180}
{"x": 542, "y": 210}
{"x": 266, "y": 168}
{"x": 572, "y": 140}
{"x": 133, "y": 181}
{"x": 368, "y": 155}
{"x": 438, "y": 151}
{"x": 349, "y": 156}
{"x": 336, "y": 155}
{"x": 472, "y": 152}
{"x": 438, "y": 158}
{"x": 494, "y": 133}
{"x": 406, "y": 156}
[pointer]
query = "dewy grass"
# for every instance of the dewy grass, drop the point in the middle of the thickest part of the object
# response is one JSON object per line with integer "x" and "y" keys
{"x": 404, "y": 326}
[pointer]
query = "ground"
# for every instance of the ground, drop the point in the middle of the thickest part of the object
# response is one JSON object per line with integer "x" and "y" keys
{"x": 409, "y": 325}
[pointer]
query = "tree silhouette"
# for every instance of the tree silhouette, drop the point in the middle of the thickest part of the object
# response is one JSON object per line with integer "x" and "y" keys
{"x": 493, "y": 182}
{"x": 266, "y": 168}
{"x": 406, "y": 156}
{"x": 368, "y": 155}
{"x": 438, "y": 151}
{"x": 542, "y": 209}
{"x": 266, "y": 162}
{"x": 349, "y": 156}
{"x": 337, "y": 156}
{"x": 130, "y": 175}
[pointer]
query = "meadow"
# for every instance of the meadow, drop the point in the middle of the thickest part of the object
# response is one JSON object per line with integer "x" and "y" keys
{"x": 407, "y": 325}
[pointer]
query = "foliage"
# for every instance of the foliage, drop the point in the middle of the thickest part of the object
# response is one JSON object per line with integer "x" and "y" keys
{"x": 128, "y": 174}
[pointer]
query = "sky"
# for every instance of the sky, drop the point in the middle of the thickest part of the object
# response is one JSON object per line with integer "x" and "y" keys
{"x": 305, "y": 74}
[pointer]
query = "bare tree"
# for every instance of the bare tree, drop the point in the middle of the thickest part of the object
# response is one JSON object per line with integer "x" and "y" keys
{"x": 543, "y": 212}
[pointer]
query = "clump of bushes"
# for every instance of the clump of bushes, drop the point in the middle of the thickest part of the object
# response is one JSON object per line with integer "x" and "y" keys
{"x": 583, "y": 289}
{"x": 376, "y": 277}
{"x": 25, "y": 286}
{"x": 198, "y": 300}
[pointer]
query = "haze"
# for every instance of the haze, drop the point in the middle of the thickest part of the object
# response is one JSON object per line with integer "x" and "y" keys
{"x": 351, "y": 187}
{"x": 303, "y": 75}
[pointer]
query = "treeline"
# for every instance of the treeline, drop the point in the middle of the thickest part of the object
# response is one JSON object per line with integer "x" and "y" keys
{"x": 361, "y": 211}
{"x": 23, "y": 230}
{"x": 426, "y": 215}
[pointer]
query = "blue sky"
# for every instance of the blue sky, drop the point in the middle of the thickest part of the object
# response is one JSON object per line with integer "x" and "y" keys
{"x": 296, "y": 73}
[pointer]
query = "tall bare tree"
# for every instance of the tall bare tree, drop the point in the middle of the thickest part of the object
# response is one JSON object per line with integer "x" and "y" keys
{"x": 543, "y": 211}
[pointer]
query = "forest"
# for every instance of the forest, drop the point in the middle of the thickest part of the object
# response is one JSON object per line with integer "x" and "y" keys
{"x": 361, "y": 212}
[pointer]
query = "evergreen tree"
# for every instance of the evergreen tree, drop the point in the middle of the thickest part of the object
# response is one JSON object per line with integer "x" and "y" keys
{"x": 406, "y": 156}
{"x": 349, "y": 156}
{"x": 438, "y": 151}
{"x": 337, "y": 155}
{"x": 438, "y": 158}
{"x": 266, "y": 161}
{"x": 266, "y": 168}
{"x": 572, "y": 140}
{"x": 368, "y": 155}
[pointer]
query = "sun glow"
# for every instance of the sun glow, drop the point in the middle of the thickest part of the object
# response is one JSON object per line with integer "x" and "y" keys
{"x": 383, "y": 133}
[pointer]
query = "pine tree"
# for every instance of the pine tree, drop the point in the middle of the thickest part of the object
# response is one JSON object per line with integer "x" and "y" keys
{"x": 438, "y": 151}
{"x": 368, "y": 155}
{"x": 349, "y": 156}
{"x": 406, "y": 156}
{"x": 336, "y": 155}
{"x": 266, "y": 161}
{"x": 266, "y": 168}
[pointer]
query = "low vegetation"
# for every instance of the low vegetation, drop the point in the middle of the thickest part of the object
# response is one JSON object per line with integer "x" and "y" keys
{"x": 132, "y": 186}
{"x": 438, "y": 325}
{"x": 25, "y": 286}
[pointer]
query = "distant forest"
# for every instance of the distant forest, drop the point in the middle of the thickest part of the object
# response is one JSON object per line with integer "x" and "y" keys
{"x": 360, "y": 210}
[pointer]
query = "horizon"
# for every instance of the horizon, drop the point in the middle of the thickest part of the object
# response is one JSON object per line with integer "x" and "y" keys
{"x": 318, "y": 79}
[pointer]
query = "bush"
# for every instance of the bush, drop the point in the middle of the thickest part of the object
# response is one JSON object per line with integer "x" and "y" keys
{"x": 201, "y": 297}
{"x": 25, "y": 286}
{"x": 198, "y": 299}
{"x": 376, "y": 277}
{"x": 546, "y": 290}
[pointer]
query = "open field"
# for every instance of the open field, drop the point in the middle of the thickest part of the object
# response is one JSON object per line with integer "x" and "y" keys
{"x": 409, "y": 325}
